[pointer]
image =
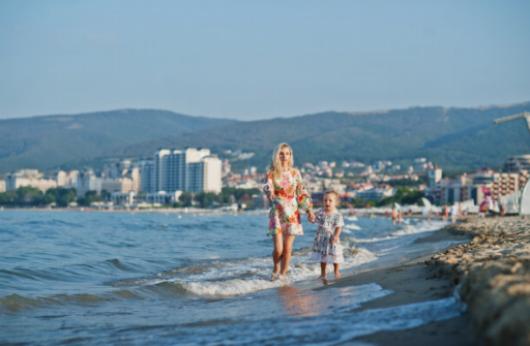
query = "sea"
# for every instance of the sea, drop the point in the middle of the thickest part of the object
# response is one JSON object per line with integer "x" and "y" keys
{"x": 177, "y": 278}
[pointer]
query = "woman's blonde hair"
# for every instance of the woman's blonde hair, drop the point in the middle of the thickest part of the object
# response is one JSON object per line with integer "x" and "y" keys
{"x": 275, "y": 164}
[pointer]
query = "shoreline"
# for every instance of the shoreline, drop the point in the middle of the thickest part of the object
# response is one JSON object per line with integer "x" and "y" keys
{"x": 490, "y": 272}
{"x": 412, "y": 281}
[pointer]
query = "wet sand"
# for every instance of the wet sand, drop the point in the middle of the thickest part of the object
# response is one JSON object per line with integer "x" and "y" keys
{"x": 413, "y": 282}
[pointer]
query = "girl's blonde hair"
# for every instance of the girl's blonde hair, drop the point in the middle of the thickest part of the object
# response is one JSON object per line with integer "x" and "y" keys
{"x": 276, "y": 164}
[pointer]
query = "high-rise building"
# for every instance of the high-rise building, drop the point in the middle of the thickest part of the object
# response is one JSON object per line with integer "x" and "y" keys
{"x": 147, "y": 178}
{"x": 212, "y": 174}
{"x": 193, "y": 170}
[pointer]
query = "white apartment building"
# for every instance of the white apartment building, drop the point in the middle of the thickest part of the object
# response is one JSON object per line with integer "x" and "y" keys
{"x": 67, "y": 179}
{"x": 193, "y": 170}
{"x": 212, "y": 176}
{"x": 28, "y": 177}
{"x": 2, "y": 185}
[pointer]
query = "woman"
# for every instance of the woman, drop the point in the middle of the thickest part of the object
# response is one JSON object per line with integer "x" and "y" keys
{"x": 286, "y": 194}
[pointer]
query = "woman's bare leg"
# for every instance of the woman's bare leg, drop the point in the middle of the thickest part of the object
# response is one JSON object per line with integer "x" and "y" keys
{"x": 287, "y": 250}
{"x": 277, "y": 252}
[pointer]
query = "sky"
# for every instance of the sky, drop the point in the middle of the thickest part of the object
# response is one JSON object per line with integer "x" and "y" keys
{"x": 260, "y": 59}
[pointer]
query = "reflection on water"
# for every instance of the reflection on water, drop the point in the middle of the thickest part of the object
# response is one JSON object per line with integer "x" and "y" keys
{"x": 297, "y": 302}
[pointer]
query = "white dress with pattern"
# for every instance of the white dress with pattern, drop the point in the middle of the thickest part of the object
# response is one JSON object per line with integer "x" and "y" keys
{"x": 323, "y": 250}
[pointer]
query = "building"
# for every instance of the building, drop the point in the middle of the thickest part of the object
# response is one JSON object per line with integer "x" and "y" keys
{"x": 121, "y": 185}
{"x": 147, "y": 179}
{"x": 2, "y": 185}
{"x": 212, "y": 174}
{"x": 193, "y": 170}
{"x": 507, "y": 183}
{"x": 434, "y": 176}
{"x": 88, "y": 181}
{"x": 28, "y": 177}
{"x": 517, "y": 164}
{"x": 67, "y": 179}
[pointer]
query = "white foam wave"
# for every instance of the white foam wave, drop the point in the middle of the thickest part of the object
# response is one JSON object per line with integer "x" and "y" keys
{"x": 253, "y": 275}
{"x": 423, "y": 226}
{"x": 405, "y": 230}
{"x": 352, "y": 226}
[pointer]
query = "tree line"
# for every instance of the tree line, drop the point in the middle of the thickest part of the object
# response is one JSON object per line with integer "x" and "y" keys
{"x": 28, "y": 196}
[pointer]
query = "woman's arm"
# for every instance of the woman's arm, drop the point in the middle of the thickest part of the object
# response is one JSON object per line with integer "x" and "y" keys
{"x": 268, "y": 186}
{"x": 303, "y": 198}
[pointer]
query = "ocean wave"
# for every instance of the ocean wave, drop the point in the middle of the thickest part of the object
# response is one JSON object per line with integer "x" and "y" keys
{"x": 352, "y": 227}
{"x": 237, "y": 277}
{"x": 405, "y": 230}
{"x": 15, "y": 302}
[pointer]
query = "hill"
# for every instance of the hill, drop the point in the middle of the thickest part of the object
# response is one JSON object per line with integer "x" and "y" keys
{"x": 48, "y": 142}
{"x": 457, "y": 138}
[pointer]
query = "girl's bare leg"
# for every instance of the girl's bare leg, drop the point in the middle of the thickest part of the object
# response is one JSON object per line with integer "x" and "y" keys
{"x": 323, "y": 270}
{"x": 277, "y": 252}
{"x": 287, "y": 250}
{"x": 336, "y": 269}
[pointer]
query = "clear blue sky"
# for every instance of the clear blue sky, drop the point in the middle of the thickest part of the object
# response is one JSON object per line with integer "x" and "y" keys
{"x": 258, "y": 59}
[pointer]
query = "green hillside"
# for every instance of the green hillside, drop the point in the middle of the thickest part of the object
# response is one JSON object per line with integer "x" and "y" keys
{"x": 457, "y": 138}
{"x": 70, "y": 140}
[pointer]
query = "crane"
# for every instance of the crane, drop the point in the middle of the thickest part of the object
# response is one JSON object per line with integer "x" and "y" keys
{"x": 523, "y": 115}
{"x": 524, "y": 199}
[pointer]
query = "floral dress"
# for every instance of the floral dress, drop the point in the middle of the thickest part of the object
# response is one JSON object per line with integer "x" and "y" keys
{"x": 323, "y": 250}
{"x": 289, "y": 196}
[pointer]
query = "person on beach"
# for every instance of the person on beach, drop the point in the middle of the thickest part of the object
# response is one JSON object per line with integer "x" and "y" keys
{"x": 326, "y": 246}
{"x": 455, "y": 208}
{"x": 287, "y": 196}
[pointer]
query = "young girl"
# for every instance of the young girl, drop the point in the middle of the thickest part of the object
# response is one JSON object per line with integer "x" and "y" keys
{"x": 327, "y": 247}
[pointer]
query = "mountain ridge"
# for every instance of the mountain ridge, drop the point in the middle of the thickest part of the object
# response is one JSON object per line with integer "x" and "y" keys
{"x": 460, "y": 138}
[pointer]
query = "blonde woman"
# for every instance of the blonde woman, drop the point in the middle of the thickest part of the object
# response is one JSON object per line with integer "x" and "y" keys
{"x": 287, "y": 196}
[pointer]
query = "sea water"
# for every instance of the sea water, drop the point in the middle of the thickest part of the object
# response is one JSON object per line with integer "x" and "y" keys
{"x": 178, "y": 278}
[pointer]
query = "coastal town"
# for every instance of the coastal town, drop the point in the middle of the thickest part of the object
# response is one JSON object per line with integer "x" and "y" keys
{"x": 197, "y": 177}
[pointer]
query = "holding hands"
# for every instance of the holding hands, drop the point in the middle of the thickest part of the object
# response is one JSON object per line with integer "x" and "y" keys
{"x": 311, "y": 216}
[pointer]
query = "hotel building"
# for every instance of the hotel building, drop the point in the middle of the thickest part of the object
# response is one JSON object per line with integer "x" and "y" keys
{"x": 191, "y": 170}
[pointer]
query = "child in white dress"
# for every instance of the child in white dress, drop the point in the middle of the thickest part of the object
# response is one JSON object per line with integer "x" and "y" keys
{"x": 326, "y": 247}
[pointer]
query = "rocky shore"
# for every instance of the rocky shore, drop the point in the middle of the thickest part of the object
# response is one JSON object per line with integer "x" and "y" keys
{"x": 492, "y": 274}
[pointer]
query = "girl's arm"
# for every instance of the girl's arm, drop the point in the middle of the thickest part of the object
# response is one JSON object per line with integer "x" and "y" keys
{"x": 336, "y": 235}
{"x": 338, "y": 229}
